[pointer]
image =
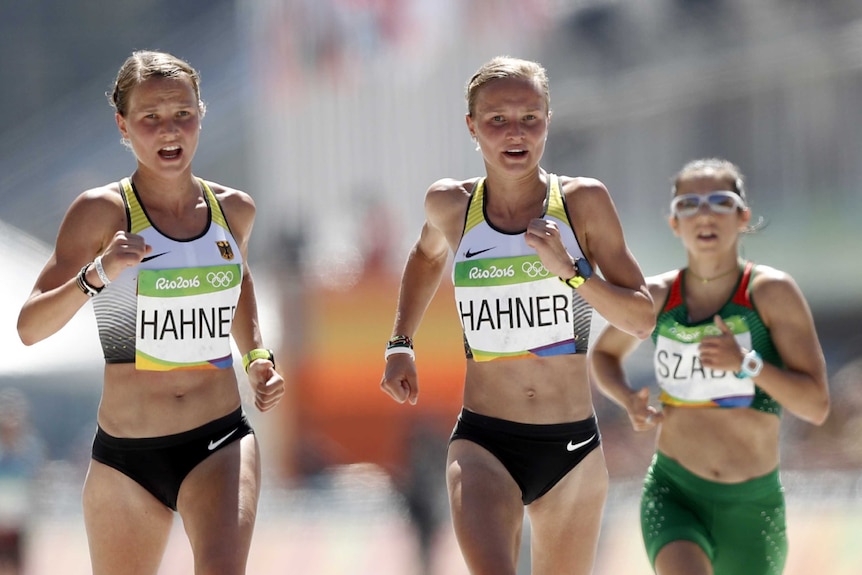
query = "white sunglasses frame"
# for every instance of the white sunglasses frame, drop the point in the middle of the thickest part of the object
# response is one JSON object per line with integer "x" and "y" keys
{"x": 717, "y": 208}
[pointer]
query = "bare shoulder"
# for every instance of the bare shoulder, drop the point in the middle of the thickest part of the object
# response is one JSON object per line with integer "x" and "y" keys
{"x": 588, "y": 200}
{"x": 448, "y": 197}
{"x": 92, "y": 219}
{"x": 771, "y": 286}
{"x": 450, "y": 189}
{"x": 446, "y": 202}
{"x": 581, "y": 186}
{"x": 779, "y": 300}
{"x": 97, "y": 208}
{"x": 230, "y": 197}
{"x": 659, "y": 286}
{"x": 101, "y": 197}
{"x": 239, "y": 207}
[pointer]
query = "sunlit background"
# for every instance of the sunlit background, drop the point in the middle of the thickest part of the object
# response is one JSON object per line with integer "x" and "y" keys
{"x": 336, "y": 115}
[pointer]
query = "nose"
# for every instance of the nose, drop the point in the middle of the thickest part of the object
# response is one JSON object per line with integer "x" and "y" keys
{"x": 704, "y": 210}
{"x": 169, "y": 126}
{"x": 516, "y": 130}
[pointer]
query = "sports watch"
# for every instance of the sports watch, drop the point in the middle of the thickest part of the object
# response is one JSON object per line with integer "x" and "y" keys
{"x": 583, "y": 272}
{"x": 752, "y": 364}
{"x": 257, "y": 354}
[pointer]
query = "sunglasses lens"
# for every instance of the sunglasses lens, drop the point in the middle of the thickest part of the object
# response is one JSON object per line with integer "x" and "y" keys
{"x": 723, "y": 203}
{"x": 688, "y": 205}
{"x": 685, "y": 206}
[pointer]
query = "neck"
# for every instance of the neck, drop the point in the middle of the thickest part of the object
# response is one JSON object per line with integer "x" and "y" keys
{"x": 172, "y": 194}
{"x": 173, "y": 185}
{"x": 516, "y": 195}
{"x": 708, "y": 278}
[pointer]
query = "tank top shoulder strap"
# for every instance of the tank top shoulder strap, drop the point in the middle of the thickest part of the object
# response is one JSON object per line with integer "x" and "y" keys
{"x": 476, "y": 208}
{"x": 743, "y": 292}
{"x": 138, "y": 219}
{"x": 135, "y": 214}
{"x": 674, "y": 295}
{"x": 556, "y": 203}
{"x": 218, "y": 216}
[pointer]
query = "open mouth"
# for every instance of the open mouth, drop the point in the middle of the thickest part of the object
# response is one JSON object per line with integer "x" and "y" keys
{"x": 516, "y": 153}
{"x": 170, "y": 152}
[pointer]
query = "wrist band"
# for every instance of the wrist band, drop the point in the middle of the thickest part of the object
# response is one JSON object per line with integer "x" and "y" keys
{"x": 400, "y": 344}
{"x": 97, "y": 263}
{"x": 401, "y": 349}
{"x": 258, "y": 353}
{"x": 399, "y": 340}
{"x": 83, "y": 284}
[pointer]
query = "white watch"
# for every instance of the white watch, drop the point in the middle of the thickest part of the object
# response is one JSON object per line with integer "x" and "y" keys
{"x": 752, "y": 365}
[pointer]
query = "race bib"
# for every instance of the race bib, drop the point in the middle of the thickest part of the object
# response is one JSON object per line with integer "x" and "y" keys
{"x": 513, "y": 307}
{"x": 185, "y": 316}
{"x": 685, "y": 381}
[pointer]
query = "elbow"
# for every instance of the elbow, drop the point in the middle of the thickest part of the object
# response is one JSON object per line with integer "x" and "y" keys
{"x": 26, "y": 337}
{"x": 27, "y": 334}
{"x": 820, "y": 413}
{"x": 642, "y": 323}
{"x": 644, "y": 334}
{"x": 643, "y": 328}
{"x": 816, "y": 410}
{"x": 822, "y": 403}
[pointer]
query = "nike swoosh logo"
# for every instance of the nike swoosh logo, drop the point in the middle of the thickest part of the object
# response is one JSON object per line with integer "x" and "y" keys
{"x": 575, "y": 446}
{"x": 148, "y": 258}
{"x": 468, "y": 254}
{"x": 214, "y": 444}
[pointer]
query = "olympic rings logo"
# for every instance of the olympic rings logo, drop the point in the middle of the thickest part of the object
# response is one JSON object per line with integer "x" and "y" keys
{"x": 534, "y": 269}
{"x": 220, "y": 279}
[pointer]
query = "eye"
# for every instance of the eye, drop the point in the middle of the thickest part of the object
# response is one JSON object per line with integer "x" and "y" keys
{"x": 725, "y": 202}
{"x": 498, "y": 119}
{"x": 686, "y": 203}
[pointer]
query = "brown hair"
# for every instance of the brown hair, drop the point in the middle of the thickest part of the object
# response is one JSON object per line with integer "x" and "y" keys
{"x": 722, "y": 168}
{"x": 507, "y": 67}
{"x": 145, "y": 64}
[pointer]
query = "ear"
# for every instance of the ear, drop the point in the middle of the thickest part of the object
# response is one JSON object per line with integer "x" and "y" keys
{"x": 121, "y": 124}
{"x": 744, "y": 218}
{"x": 673, "y": 223}
{"x": 469, "y": 120}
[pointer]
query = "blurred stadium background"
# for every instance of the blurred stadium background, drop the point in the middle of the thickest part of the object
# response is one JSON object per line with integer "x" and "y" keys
{"x": 336, "y": 115}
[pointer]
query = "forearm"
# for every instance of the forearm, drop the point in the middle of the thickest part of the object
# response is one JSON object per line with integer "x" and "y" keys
{"x": 419, "y": 283}
{"x": 44, "y": 314}
{"x": 246, "y": 328}
{"x": 798, "y": 392}
{"x": 607, "y": 374}
{"x": 627, "y": 309}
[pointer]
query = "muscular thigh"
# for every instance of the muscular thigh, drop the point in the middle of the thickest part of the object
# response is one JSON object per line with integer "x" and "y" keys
{"x": 218, "y": 501}
{"x": 740, "y": 527}
{"x": 127, "y": 528}
{"x": 751, "y": 537}
{"x": 566, "y": 521}
{"x": 487, "y": 512}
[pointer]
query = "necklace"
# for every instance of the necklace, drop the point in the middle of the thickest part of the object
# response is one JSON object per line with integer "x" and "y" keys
{"x": 719, "y": 276}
